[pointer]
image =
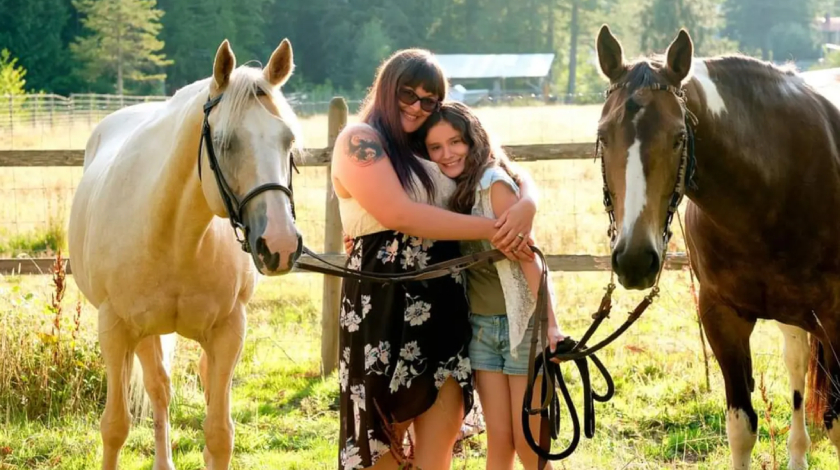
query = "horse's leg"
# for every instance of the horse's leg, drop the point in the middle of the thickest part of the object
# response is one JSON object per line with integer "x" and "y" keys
{"x": 831, "y": 390}
{"x": 797, "y": 350}
{"x": 117, "y": 347}
{"x": 202, "y": 374}
{"x": 223, "y": 347}
{"x": 156, "y": 381}
{"x": 729, "y": 337}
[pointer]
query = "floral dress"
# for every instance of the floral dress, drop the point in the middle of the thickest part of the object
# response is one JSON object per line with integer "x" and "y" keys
{"x": 398, "y": 343}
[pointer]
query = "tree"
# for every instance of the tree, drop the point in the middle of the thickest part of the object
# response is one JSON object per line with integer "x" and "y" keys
{"x": 32, "y": 31}
{"x": 662, "y": 19}
{"x": 755, "y": 23}
{"x": 372, "y": 46}
{"x": 11, "y": 75}
{"x": 583, "y": 16}
{"x": 122, "y": 41}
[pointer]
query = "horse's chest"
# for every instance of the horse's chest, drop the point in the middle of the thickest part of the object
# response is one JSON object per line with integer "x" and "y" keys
{"x": 189, "y": 306}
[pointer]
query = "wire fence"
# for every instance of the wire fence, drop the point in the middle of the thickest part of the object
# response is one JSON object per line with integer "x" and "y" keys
{"x": 50, "y": 121}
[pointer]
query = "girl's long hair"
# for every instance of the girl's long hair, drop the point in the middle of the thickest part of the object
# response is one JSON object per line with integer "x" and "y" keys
{"x": 483, "y": 152}
{"x": 381, "y": 110}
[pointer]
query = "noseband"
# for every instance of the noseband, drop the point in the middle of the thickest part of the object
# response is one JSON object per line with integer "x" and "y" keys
{"x": 685, "y": 172}
{"x": 235, "y": 208}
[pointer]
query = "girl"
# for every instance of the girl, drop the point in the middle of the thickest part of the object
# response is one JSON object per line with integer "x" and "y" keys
{"x": 501, "y": 296}
{"x": 402, "y": 348}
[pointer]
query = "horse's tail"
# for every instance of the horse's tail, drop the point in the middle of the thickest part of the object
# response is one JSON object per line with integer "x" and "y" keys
{"x": 816, "y": 402}
{"x": 138, "y": 400}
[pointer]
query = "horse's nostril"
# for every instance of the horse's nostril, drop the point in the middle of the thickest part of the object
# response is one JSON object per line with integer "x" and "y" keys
{"x": 271, "y": 260}
{"x": 654, "y": 260}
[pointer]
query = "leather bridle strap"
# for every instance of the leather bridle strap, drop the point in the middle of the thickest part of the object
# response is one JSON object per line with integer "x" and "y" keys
{"x": 234, "y": 207}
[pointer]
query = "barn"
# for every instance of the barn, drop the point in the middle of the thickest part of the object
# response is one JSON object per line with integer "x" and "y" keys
{"x": 496, "y": 77}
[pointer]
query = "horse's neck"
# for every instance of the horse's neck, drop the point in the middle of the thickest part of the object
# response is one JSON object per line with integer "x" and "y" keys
{"x": 747, "y": 177}
{"x": 181, "y": 213}
{"x": 724, "y": 177}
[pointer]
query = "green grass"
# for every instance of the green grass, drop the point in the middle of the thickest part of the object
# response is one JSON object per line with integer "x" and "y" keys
{"x": 286, "y": 415}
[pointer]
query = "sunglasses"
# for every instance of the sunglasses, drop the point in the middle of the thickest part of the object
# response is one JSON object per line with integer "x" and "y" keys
{"x": 408, "y": 97}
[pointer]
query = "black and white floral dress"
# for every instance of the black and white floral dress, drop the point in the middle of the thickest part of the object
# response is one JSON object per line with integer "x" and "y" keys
{"x": 399, "y": 342}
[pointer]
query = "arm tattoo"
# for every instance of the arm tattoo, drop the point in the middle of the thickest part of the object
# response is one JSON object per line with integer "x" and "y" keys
{"x": 364, "y": 150}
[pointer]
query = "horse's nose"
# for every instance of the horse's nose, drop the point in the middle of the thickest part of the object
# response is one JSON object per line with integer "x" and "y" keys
{"x": 636, "y": 267}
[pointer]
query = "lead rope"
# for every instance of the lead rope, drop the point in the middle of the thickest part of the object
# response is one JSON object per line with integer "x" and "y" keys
{"x": 570, "y": 350}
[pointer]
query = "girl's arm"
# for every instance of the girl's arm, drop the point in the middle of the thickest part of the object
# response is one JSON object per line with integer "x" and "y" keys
{"x": 518, "y": 218}
{"x": 361, "y": 168}
{"x": 502, "y": 198}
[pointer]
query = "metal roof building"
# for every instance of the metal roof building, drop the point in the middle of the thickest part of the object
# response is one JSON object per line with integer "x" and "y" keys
{"x": 494, "y": 70}
{"x": 471, "y": 66}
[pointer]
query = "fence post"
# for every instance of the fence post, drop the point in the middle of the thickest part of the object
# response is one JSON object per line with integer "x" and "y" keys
{"x": 332, "y": 244}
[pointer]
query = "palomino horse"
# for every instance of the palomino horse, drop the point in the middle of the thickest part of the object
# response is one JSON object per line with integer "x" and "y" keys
{"x": 151, "y": 249}
{"x": 757, "y": 151}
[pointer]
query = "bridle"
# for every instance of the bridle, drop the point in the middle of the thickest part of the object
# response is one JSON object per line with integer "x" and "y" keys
{"x": 577, "y": 351}
{"x": 685, "y": 172}
{"x": 235, "y": 208}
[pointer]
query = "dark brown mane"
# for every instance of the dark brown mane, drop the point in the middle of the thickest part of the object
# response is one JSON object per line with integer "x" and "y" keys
{"x": 736, "y": 70}
{"x": 644, "y": 73}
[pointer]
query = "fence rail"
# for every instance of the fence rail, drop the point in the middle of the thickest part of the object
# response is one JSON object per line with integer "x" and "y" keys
{"x": 312, "y": 157}
{"x": 338, "y": 113}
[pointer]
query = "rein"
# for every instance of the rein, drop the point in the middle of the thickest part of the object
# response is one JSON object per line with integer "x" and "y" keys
{"x": 235, "y": 208}
{"x": 432, "y": 271}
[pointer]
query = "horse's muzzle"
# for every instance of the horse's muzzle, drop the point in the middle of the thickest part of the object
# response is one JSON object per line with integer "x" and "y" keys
{"x": 636, "y": 267}
{"x": 272, "y": 263}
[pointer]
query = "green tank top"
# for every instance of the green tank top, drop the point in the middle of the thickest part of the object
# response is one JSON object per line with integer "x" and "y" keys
{"x": 484, "y": 290}
{"x": 484, "y": 287}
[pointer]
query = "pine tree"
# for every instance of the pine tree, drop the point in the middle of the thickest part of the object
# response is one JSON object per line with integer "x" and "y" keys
{"x": 122, "y": 41}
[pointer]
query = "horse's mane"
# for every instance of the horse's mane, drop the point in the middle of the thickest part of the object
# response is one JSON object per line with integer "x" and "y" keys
{"x": 645, "y": 71}
{"x": 243, "y": 85}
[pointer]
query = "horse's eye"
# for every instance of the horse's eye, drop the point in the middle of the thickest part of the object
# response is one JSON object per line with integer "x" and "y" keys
{"x": 602, "y": 140}
{"x": 679, "y": 141}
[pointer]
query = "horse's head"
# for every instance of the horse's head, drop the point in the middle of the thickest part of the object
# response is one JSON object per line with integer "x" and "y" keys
{"x": 642, "y": 137}
{"x": 246, "y": 158}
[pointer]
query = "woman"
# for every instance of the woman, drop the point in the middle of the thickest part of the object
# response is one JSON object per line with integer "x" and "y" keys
{"x": 403, "y": 348}
{"x": 502, "y": 296}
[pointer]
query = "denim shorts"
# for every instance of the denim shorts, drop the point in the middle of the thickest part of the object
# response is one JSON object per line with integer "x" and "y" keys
{"x": 490, "y": 345}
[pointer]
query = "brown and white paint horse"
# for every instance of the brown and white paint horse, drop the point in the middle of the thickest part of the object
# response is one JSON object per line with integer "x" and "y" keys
{"x": 761, "y": 230}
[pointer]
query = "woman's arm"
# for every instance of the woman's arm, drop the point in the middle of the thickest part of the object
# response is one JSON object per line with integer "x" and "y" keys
{"x": 502, "y": 198}
{"x": 519, "y": 218}
{"x": 362, "y": 168}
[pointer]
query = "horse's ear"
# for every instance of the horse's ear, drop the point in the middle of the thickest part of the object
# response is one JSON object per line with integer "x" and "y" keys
{"x": 223, "y": 65}
{"x": 281, "y": 65}
{"x": 680, "y": 55}
{"x": 610, "y": 54}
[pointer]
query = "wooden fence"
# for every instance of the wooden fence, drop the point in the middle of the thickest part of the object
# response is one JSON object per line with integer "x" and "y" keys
{"x": 332, "y": 227}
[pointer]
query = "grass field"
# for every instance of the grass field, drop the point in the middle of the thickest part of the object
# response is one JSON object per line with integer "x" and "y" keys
{"x": 51, "y": 379}
{"x": 286, "y": 416}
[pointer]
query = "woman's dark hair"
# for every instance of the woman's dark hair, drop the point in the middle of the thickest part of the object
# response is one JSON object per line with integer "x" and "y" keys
{"x": 483, "y": 152}
{"x": 406, "y": 68}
